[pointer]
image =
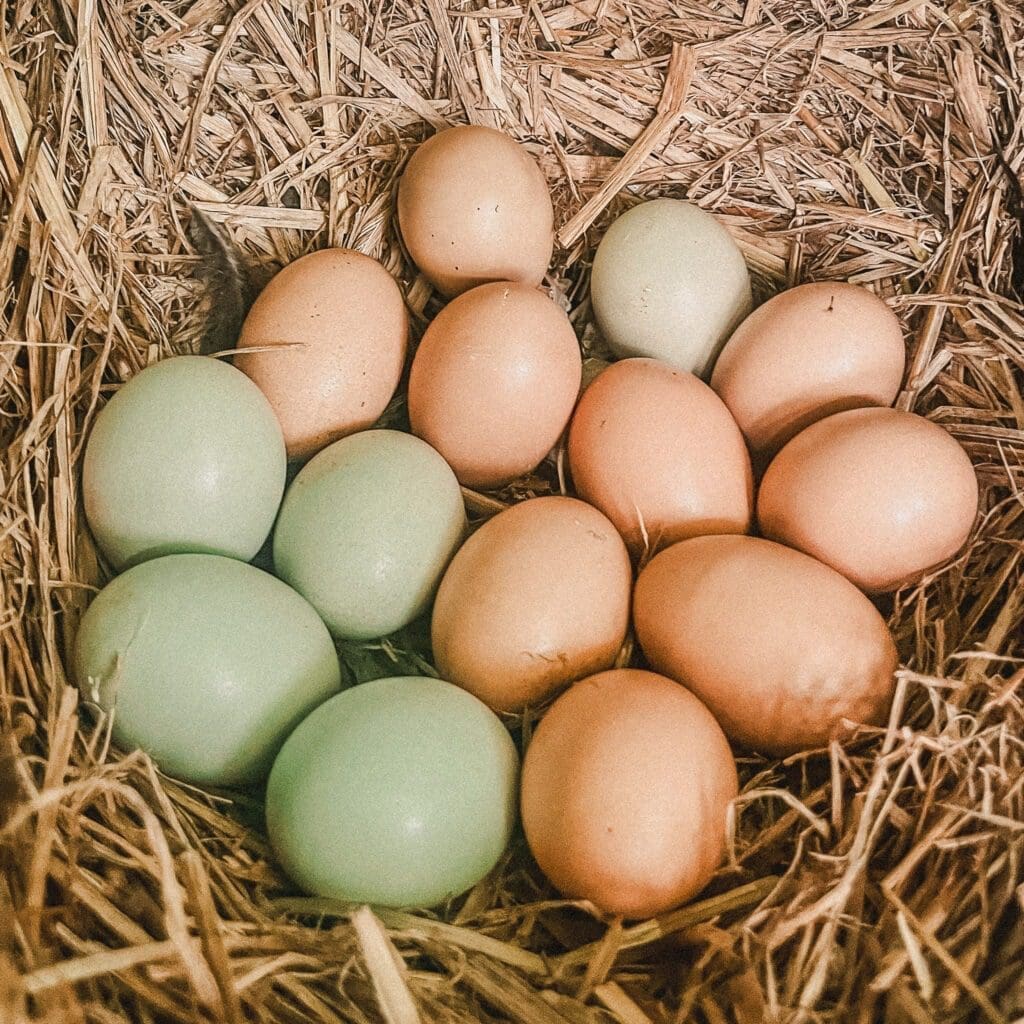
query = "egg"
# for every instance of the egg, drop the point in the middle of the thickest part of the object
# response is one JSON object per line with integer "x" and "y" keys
{"x": 807, "y": 353}
{"x": 473, "y": 206}
{"x": 399, "y": 792}
{"x": 331, "y": 330}
{"x": 669, "y": 282}
{"x": 626, "y": 788}
{"x": 881, "y": 495}
{"x": 781, "y": 648}
{"x": 537, "y": 597}
{"x": 366, "y": 530}
{"x": 204, "y": 662}
{"x": 186, "y": 456}
{"x": 655, "y": 449}
{"x": 494, "y": 382}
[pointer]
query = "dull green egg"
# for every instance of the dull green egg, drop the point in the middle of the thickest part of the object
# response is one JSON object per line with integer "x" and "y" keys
{"x": 366, "y": 530}
{"x": 186, "y": 457}
{"x": 206, "y": 663}
{"x": 399, "y": 792}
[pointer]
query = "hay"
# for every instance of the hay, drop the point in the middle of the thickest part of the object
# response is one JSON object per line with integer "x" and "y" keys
{"x": 879, "y": 142}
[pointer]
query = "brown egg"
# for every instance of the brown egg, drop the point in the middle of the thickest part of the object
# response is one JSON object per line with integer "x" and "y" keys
{"x": 537, "y": 597}
{"x": 473, "y": 206}
{"x": 625, "y": 791}
{"x": 879, "y": 494}
{"x": 805, "y": 354}
{"x": 656, "y": 450}
{"x": 335, "y": 327}
{"x": 494, "y": 382}
{"x": 780, "y": 647}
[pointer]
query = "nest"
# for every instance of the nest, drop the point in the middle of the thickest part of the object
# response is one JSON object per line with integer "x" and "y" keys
{"x": 865, "y": 140}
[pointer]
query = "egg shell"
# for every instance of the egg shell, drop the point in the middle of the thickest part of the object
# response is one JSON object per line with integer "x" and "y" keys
{"x": 399, "y": 792}
{"x": 537, "y": 597}
{"x": 670, "y": 283}
{"x": 780, "y": 647}
{"x": 805, "y": 354}
{"x": 186, "y": 456}
{"x": 494, "y": 382}
{"x": 655, "y": 449}
{"x": 626, "y": 788}
{"x": 334, "y": 328}
{"x": 366, "y": 530}
{"x": 206, "y": 663}
{"x": 881, "y": 495}
{"x": 473, "y": 207}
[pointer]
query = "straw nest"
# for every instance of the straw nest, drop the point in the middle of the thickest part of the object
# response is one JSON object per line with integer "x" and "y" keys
{"x": 879, "y": 142}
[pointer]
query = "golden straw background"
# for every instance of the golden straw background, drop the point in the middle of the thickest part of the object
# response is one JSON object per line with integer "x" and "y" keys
{"x": 879, "y": 142}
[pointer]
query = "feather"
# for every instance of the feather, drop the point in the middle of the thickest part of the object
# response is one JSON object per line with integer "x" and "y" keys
{"x": 1015, "y": 204}
{"x": 226, "y": 279}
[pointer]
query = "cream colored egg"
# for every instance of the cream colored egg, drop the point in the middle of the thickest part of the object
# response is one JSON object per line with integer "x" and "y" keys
{"x": 670, "y": 283}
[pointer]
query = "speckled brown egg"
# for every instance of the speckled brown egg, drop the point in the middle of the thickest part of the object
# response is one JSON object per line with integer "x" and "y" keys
{"x": 780, "y": 647}
{"x": 625, "y": 793}
{"x": 333, "y": 329}
{"x": 657, "y": 451}
{"x": 880, "y": 495}
{"x": 494, "y": 381}
{"x": 537, "y": 597}
{"x": 805, "y": 354}
{"x": 473, "y": 206}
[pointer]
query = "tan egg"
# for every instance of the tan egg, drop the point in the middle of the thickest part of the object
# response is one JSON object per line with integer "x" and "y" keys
{"x": 473, "y": 206}
{"x": 880, "y": 495}
{"x": 780, "y": 647}
{"x": 537, "y": 597}
{"x": 334, "y": 326}
{"x": 805, "y": 354}
{"x": 625, "y": 793}
{"x": 494, "y": 382}
{"x": 656, "y": 450}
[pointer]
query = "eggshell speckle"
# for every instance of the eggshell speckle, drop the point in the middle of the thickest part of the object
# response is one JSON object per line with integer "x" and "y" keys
{"x": 655, "y": 449}
{"x": 473, "y": 206}
{"x": 780, "y": 647}
{"x": 399, "y": 792}
{"x": 206, "y": 663}
{"x": 494, "y": 381}
{"x": 880, "y": 495}
{"x": 669, "y": 282}
{"x": 334, "y": 325}
{"x": 537, "y": 597}
{"x": 626, "y": 787}
{"x": 805, "y": 354}
{"x": 186, "y": 456}
{"x": 366, "y": 530}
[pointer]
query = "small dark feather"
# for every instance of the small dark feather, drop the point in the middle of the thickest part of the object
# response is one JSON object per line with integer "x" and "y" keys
{"x": 1015, "y": 204}
{"x": 227, "y": 280}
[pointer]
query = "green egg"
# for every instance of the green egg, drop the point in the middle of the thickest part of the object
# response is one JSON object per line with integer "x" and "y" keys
{"x": 399, "y": 792}
{"x": 186, "y": 457}
{"x": 206, "y": 663}
{"x": 367, "y": 529}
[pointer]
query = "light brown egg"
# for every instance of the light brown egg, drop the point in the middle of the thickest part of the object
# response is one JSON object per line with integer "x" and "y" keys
{"x": 537, "y": 597}
{"x": 625, "y": 791}
{"x": 656, "y": 450}
{"x": 881, "y": 495}
{"x": 473, "y": 206}
{"x": 494, "y": 382}
{"x": 335, "y": 328}
{"x": 780, "y": 647}
{"x": 805, "y": 354}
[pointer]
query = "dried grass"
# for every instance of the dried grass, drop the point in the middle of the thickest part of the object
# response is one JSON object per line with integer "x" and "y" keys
{"x": 879, "y": 142}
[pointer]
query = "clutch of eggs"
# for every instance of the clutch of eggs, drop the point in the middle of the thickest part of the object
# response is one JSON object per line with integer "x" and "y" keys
{"x": 403, "y": 791}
